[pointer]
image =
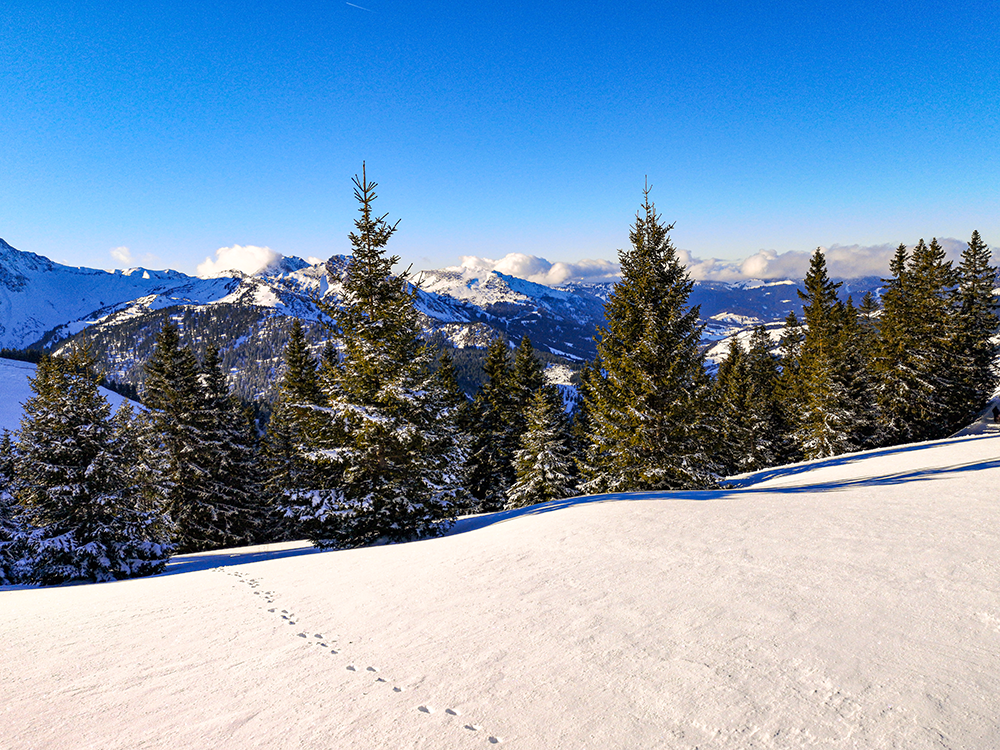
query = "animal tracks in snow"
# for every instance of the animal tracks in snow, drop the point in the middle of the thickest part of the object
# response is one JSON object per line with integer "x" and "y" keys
{"x": 318, "y": 639}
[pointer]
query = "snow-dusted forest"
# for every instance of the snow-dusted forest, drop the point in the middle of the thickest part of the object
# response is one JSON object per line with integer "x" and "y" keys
{"x": 371, "y": 438}
{"x": 761, "y": 557}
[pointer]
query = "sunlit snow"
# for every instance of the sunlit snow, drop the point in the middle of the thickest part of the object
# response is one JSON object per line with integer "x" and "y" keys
{"x": 851, "y": 602}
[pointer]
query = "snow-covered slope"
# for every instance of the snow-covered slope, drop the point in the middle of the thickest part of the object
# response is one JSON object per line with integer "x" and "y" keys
{"x": 36, "y": 294}
{"x": 850, "y": 603}
{"x": 15, "y": 390}
{"x": 39, "y": 297}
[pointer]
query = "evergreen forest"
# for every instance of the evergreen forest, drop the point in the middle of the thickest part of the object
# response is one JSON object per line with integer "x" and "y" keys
{"x": 371, "y": 436}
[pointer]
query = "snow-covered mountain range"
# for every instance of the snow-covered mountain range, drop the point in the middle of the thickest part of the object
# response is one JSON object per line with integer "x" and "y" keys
{"x": 43, "y": 303}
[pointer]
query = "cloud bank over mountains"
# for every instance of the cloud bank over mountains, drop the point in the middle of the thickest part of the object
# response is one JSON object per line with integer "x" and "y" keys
{"x": 541, "y": 271}
{"x": 248, "y": 259}
{"x": 843, "y": 261}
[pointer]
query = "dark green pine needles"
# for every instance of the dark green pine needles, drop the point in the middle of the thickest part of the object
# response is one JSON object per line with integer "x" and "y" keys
{"x": 648, "y": 399}
{"x": 83, "y": 513}
{"x": 390, "y": 464}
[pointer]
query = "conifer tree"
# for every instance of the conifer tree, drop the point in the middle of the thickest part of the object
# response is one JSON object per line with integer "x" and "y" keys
{"x": 130, "y": 432}
{"x": 144, "y": 520}
{"x": 527, "y": 378}
{"x": 543, "y": 464}
{"x": 753, "y": 427}
{"x": 732, "y": 398}
{"x": 825, "y": 419}
{"x": 918, "y": 366}
{"x": 231, "y": 483}
{"x": 868, "y": 314}
{"x": 494, "y": 432}
{"x": 649, "y": 402}
{"x": 587, "y": 471}
{"x": 766, "y": 418}
{"x": 293, "y": 432}
{"x": 975, "y": 327}
{"x": 448, "y": 377}
{"x": 392, "y": 470}
{"x": 858, "y": 342}
{"x": 933, "y": 287}
{"x": 453, "y": 438}
{"x": 203, "y": 462}
{"x": 172, "y": 394}
{"x": 9, "y": 511}
{"x": 81, "y": 514}
{"x": 893, "y": 366}
{"x": 789, "y": 390}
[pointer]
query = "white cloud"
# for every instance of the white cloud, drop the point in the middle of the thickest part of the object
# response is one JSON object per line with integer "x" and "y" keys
{"x": 122, "y": 255}
{"x": 541, "y": 271}
{"x": 246, "y": 258}
{"x": 842, "y": 261}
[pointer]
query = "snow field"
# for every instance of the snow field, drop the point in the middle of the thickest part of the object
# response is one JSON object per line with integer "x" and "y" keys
{"x": 854, "y": 602}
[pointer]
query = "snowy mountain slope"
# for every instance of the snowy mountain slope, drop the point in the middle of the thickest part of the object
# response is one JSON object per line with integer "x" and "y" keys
{"x": 15, "y": 390}
{"x": 37, "y": 294}
{"x": 44, "y": 303}
{"x": 848, "y": 603}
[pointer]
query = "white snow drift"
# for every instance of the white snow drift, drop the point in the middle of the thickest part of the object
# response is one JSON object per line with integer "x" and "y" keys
{"x": 851, "y": 602}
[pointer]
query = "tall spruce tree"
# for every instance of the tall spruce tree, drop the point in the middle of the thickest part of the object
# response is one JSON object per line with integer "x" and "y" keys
{"x": 203, "y": 463}
{"x": 858, "y": 341}
{"x": 527, "y": 378}
{"x": 824, "y": 420}
{"x": 393, "y": 470}
{"x": 174, "y": 439}
{"x": 580, "y": 428}
{"x": 649, "y": 407}
{"x": 494, "y": 431}
{"x": 975, "y": 327}
{"x": 918, "y": 366}
{"x": 81, "y": 510}
{"x": 789, "y": 390}
{"x": 896, "y": 376}
{"x": 232, "y": 479}
{"x": 732, "y": 399}
{"x": 753, "y": 427}
{"x": 770, "y": 443}
{"x": 933, "y": 288}
{"x": 453, "y": 439}
{"x": 293, "y": 432}
{"x": 543, "y": 465}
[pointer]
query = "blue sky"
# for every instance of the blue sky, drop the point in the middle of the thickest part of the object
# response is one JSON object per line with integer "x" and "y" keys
{"x": 173, "y": 129}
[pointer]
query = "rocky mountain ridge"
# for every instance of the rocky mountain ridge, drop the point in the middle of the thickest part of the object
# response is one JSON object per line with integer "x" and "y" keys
{"x": 43, "y": 304}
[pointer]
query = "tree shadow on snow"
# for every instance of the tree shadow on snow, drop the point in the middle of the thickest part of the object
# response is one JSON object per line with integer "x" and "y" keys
{"x": 846, "y": 459}
{"x": 219, "y": 558}
{"x": 472, "y": 523}
{"x": 743, "y": 487}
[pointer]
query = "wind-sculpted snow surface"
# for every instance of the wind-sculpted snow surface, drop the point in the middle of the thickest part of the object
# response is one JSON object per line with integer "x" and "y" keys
{"x": 848, "y": 603}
